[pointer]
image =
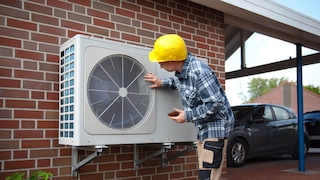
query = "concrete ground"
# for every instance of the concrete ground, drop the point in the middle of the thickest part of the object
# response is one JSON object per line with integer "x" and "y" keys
{"x": 278, "y": 168}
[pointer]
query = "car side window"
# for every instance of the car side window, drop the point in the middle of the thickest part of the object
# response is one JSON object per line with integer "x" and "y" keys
{"x": 268, "y": 113}
{"x": 264, "y": 113}
{"x": 281, "y": 113}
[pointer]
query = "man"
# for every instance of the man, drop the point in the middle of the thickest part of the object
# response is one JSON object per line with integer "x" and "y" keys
{"x": 204, "y": 101}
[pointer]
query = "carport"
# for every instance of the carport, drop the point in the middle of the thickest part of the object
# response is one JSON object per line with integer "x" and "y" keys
{"x": 244, "y": 17}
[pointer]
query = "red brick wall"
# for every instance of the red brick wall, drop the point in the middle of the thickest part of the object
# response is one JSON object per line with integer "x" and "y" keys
{"x": 30, "y": 35}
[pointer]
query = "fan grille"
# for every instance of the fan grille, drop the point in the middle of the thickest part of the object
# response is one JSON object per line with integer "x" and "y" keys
{"x": 117, "y": 92}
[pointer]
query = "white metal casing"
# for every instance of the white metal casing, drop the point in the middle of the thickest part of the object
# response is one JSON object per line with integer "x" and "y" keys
{"x": 78, "y": 124}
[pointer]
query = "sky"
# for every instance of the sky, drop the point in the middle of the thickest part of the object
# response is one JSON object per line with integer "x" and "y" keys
{"x": 261, "y": 49}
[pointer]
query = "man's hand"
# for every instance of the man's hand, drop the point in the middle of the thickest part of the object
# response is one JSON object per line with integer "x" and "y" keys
{"x": 178, "y": 118}
{"x": 150, "y": 77}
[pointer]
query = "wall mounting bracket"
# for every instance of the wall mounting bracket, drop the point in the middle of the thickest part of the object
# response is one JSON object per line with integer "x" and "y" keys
{"x": 163, "y": 149}
{"x": 97, "y": 151}
{"x": 75, "y": 156}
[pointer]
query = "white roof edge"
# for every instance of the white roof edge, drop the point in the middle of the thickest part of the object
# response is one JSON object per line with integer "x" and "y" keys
{"x": 270, "y": 18}
{"x": 280, "y": 13}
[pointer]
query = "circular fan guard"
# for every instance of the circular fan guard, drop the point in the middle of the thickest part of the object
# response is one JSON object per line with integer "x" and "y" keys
{"x": 117, "y": 92}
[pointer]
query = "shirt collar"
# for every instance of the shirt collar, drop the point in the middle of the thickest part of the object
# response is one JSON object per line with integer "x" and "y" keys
{"x": 183, "y": 73}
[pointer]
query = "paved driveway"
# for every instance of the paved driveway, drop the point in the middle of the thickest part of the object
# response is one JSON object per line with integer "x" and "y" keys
{"x": 278, "y": 168}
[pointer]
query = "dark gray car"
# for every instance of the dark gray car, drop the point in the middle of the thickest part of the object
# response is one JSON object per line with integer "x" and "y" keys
{"x": 312, "y": 123}
{"x": 263, "y": 130}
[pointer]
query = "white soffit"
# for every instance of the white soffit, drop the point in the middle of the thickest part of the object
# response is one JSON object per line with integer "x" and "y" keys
{"x": 269, "y": 18}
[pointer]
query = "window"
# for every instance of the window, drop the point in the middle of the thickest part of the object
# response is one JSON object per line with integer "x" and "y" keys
{"x": 268, "y": 113}
{"x": 264, "y": 113}
{"x": 281, "y": 113}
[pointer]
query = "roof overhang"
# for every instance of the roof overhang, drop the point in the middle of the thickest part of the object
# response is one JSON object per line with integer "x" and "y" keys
{"x": 269, "y": 18}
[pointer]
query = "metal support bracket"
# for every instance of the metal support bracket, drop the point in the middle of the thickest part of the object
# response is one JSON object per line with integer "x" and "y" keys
{"x": 97, "y": 150}
{"x": 75, "y": 156}
{"x": 181, "y": 153}
{"x": 137, "y": 161}
{"x": 163, "y": 149}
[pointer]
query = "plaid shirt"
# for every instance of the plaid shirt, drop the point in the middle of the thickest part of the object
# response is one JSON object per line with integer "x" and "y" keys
{"x": 202, "y": 98}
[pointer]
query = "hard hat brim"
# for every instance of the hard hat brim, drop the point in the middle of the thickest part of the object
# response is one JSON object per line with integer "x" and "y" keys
{"x": 152, "y": 56}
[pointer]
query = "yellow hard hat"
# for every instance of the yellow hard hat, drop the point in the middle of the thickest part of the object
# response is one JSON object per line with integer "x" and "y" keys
{"x": 170, "y": 47}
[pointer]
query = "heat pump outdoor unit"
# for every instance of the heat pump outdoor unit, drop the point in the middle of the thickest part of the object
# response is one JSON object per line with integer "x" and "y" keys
{"x": 105, "y": 100}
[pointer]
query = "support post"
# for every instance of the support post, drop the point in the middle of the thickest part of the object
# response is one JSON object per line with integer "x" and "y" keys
{"x": 243, "y": 50}
{"x": 300, "y": 110}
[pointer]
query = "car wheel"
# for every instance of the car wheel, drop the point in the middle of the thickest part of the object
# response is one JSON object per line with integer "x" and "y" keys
{"x": 237, "y": 153}
{"x": 295, "y": 155}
